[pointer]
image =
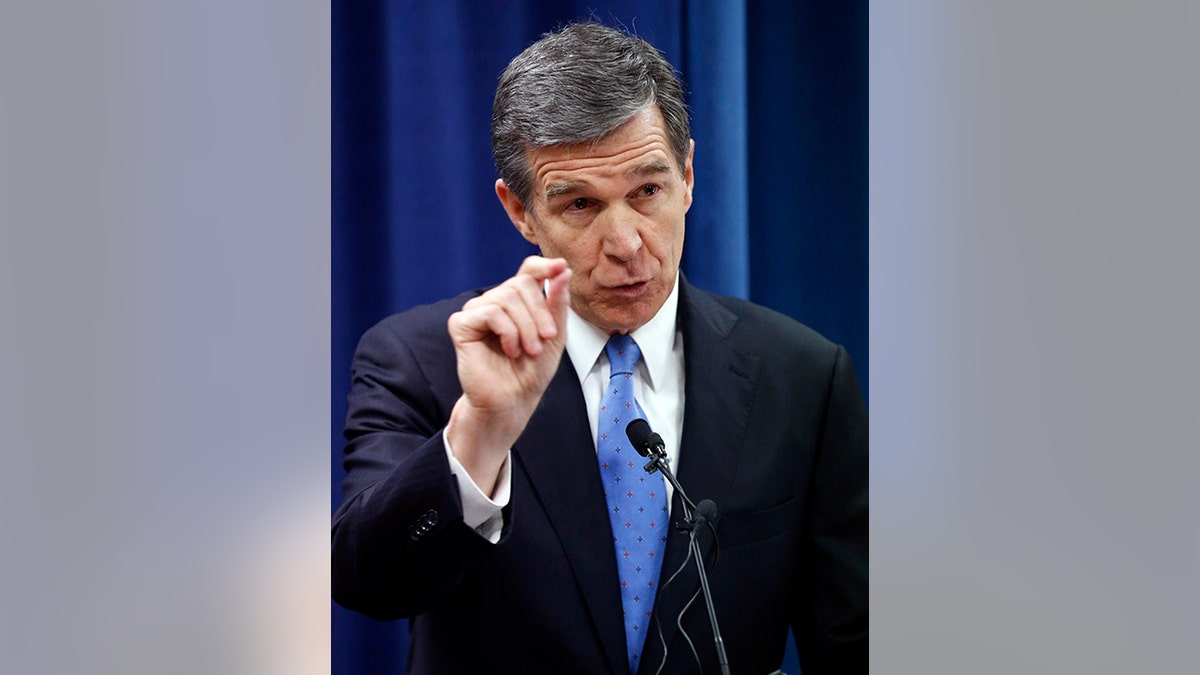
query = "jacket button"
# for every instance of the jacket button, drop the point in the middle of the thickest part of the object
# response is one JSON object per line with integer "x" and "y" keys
{"x": 424, "y": 524}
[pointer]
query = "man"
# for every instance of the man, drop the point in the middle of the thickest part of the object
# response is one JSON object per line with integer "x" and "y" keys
{"x": 487, "y": 495}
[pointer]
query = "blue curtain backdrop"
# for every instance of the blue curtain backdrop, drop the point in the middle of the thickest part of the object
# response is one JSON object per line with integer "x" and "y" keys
{"x": 778, "y": 95}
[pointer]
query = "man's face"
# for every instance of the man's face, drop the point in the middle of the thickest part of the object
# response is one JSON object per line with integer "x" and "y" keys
{"x": 615, "y": 211}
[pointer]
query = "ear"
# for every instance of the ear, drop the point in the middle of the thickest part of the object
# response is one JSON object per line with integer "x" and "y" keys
{"x": 521, "y": 217}
{"x": 689, "y": 178}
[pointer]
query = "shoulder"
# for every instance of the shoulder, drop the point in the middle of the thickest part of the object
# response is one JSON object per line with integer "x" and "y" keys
{"x": 421, "y": 328}
{"x": 757, "y": 329}
{"x": 406, "y": 354}
{"x": 412, "y": 348}
{"x": 790, "y": 361}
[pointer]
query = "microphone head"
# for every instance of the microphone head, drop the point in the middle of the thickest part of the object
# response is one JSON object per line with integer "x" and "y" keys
{"x": 654, "y": 444}
{"x": 639, "y": 434}
{"x": 706, "y": 510}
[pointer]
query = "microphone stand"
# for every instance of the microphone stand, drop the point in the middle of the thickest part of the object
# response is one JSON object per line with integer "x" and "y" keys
{"x": 706, "y": 510}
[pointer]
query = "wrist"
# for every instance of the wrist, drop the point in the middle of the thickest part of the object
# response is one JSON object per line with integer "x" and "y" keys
{"x": 480, "y": 440}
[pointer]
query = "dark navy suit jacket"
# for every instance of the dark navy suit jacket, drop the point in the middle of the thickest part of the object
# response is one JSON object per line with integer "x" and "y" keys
{"x": 774, "y": 432}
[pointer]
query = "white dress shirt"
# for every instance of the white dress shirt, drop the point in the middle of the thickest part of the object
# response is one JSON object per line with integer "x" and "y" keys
{"x": 658, "y": 386}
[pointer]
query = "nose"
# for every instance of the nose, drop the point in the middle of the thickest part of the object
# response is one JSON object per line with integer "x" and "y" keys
{"x": 622, "y": 239}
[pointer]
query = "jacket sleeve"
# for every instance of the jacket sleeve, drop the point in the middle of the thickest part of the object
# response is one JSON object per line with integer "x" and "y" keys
{"x": 399, "y": 545}
{"x": 831, "y": 621}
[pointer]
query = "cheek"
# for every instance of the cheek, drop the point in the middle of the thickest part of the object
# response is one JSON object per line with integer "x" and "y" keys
{"x": 579, "y": 264}
{"x": 582, "y": 251}
{"x": 554, "y": 244}
{"x": 580, "y": 288}
{"x": 666, "y": 243}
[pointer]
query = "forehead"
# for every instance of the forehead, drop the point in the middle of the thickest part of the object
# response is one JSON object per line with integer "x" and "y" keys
{"x": 637, "y": 148}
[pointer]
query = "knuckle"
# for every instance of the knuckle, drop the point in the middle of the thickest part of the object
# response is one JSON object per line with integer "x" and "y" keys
{"x": 490, "y": 313}
{"x": 526, "y": 284}
{"x": 505, "y": 295}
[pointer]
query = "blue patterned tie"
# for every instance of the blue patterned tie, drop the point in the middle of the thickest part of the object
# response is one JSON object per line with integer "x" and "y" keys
{"x": 637, "y": 501}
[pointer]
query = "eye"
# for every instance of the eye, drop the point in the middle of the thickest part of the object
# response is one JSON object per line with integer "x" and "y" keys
{"x": 578, "y": 204}
{"x": 649, "y": 190}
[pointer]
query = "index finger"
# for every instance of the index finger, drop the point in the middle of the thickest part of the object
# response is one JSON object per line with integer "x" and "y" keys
{"x": 541, "y": 268}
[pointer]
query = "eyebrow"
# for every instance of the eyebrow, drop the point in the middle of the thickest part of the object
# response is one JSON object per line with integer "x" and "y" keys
{"x": 651, "y": 168}
{"x": 558, "y": 189}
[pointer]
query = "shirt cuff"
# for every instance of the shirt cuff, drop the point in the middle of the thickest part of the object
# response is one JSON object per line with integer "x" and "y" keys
{"x": 480, "y": 512}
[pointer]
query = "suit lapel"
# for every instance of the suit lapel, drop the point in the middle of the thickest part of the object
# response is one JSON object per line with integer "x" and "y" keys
{"x": 558, "y": 456}
{"x": 719, "y": 385}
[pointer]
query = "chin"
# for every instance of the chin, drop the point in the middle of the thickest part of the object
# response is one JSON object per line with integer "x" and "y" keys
{"x": 627, "y": 323}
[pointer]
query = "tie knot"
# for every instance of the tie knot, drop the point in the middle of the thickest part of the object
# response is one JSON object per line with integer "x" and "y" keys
{"x": 623, "y": 354}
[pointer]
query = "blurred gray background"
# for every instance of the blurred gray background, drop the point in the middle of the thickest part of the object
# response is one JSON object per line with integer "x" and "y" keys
{"x": 164, "y": 350}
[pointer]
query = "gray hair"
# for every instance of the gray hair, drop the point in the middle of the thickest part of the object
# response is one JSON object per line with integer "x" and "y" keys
{"x": 578, "y": 85}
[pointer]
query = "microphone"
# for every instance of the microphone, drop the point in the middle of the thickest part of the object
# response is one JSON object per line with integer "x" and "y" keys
{"x": 650, "y": 445}
{"x": 705, "y": 513}
{"x": 647, "y": 443}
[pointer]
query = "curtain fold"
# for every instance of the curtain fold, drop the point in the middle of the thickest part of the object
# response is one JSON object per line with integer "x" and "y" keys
{"x": 717, "y": 243}
{"x": 778, "y": 96}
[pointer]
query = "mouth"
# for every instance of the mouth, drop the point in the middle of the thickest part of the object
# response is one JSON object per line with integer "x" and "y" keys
{"x": 630, "y": 290}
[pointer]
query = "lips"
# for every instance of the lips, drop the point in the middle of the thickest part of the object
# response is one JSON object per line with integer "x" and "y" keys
{"x": 630, "y": 290}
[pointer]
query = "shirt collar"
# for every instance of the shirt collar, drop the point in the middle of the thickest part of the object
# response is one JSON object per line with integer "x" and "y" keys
{"x": 656, "y": 339}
